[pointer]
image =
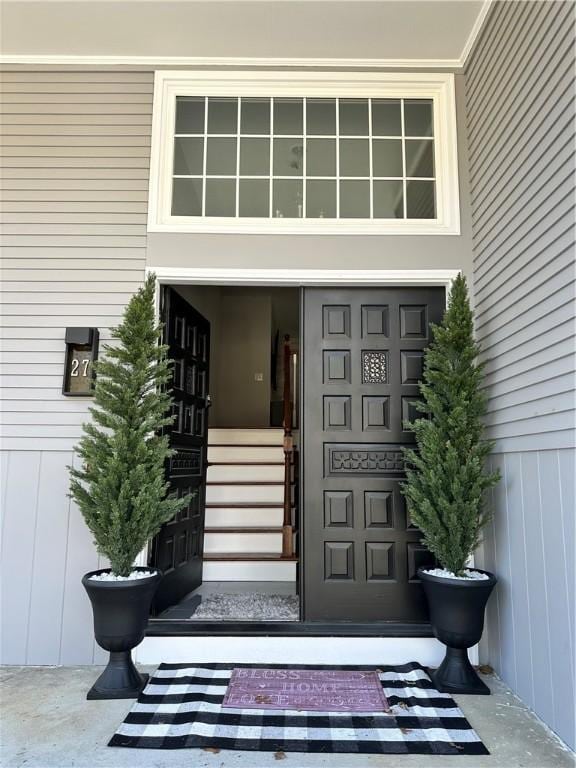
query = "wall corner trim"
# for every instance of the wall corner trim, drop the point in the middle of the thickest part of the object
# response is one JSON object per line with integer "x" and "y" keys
{"x": 475, "y": 32}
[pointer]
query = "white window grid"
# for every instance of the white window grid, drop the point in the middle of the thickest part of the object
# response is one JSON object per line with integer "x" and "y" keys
{"x": 271, "y": 136}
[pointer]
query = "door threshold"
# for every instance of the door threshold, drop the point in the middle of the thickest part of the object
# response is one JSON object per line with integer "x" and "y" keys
{"x": 187, "y": 628}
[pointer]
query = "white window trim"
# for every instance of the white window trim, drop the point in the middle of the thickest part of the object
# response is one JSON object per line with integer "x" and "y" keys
{"x": 436, "y": 86}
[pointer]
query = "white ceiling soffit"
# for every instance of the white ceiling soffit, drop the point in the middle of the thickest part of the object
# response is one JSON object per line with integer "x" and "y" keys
{"x": 298, "y": 33}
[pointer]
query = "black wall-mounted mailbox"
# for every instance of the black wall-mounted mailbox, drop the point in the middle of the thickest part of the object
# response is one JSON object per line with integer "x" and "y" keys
{"x": 81, "y": 352}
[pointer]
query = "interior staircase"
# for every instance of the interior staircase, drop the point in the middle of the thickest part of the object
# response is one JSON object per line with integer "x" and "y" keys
{"x": 245, "y": 507}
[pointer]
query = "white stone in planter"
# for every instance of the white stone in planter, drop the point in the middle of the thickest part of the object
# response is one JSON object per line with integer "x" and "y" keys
{"x": 134, "y": 576}
{"x": 445, "y": 574}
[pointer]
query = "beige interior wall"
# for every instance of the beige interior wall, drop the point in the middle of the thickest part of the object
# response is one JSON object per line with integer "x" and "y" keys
{"x": 244, "y": 355}
{"x": 243, "y": 322}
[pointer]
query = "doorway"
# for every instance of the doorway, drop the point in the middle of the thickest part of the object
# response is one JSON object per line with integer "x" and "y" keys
{"x": 360, "y": 363}
{"x": 241, "y": 528}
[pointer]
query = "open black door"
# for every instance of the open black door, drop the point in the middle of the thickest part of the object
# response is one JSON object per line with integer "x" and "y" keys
{"x": 177, "y": 549}
{"x": 363, "y": 350}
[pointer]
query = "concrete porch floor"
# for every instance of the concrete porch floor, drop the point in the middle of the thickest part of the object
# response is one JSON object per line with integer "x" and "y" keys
{"x": 47, "y": 723}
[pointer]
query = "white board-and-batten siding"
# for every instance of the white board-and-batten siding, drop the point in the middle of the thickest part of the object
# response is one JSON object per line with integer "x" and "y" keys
{"x": 520, "y": 104}
{"x": 74, "y": 160}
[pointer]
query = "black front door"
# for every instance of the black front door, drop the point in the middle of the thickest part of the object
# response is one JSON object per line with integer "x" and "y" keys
{"x": 362, "y": 360}
{"x": 177, "y": 549}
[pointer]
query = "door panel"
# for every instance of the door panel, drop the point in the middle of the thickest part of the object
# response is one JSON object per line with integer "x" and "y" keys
{"x": 362, "y": 360}
{"x": 177, "y": 549}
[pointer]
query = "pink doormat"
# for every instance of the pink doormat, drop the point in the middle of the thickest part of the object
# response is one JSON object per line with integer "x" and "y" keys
{"x": 313, "y": 690}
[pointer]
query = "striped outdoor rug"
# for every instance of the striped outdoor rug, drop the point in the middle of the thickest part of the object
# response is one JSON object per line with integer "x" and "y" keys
{"x": 182, "y": 707}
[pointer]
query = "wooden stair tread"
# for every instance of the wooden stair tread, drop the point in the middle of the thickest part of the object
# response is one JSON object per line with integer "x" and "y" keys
{"x": 245, "y": 505}
{"x": 245, "y": 482}
{"x": 245, "y": 463}
{"x": 246, "y": 445}
{"x": 244, "y": 529}
{"x": 239, "y": 556}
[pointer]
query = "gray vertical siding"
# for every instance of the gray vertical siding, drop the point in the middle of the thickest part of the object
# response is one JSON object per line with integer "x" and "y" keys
{"x": 74, "y": 178}
{"x": 519, "y": 98}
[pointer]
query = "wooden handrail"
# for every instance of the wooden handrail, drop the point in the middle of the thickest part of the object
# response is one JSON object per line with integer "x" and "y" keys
{"x": 286, "y": 396}
{"x": 287, "y": 528}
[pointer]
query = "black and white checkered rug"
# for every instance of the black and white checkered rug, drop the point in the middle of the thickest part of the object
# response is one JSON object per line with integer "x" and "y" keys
{"x": 182, "y": 707}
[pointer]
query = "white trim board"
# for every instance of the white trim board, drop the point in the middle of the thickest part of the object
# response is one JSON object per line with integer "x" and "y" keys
{"x": 437, "y": 87}
{"x": 475, "y": 32}
{"x": 152, "y": 62}
{"x": 297, "y": 277}
{"x": 299, "y": 650}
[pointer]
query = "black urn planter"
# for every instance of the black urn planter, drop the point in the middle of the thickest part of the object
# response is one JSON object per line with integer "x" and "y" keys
{"x": 457, "y": 617}
{"x": 121, "y": 610}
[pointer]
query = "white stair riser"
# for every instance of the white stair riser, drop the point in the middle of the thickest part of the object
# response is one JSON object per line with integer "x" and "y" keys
{"x": 238, "y": 517}
{"x": 299, "y": 650}
{"x": 242, "y": 543}
{"x": 247, "y": 453}
{"x": 228, "y": 473}
{"x": 252, "y": 570}
{"x": 236, "y": 494}
{"x": 218, "y": 436}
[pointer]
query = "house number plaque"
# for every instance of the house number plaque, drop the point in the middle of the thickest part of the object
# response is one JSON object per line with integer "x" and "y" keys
{"x": 81, "y": 352}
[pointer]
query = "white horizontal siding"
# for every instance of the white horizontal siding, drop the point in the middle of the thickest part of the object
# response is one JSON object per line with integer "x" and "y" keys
{"x": 74, "y": 157}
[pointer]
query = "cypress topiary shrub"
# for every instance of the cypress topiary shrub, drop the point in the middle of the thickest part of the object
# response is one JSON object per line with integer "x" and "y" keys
{"x": 446, "y": 476}
{"x": 121, "y": 488}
